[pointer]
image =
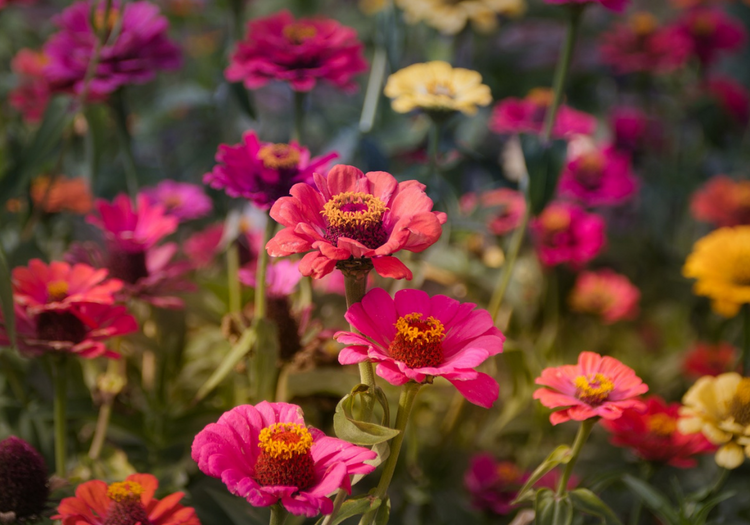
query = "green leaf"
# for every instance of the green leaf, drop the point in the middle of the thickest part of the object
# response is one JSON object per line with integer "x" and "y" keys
{"x": 544, "y": 162}
{"x": 238, "y": 351}
{"x": 265, "y": 359}
{"x": 560, "y": 456}
{"x": 353, "y": 507}
{"x": 705, "y": 509}
{"x": 242, "y": 97}
{"x": 6, "y": 299}
{"x": 544, "y": 507}
{"x": 358, "y": 432}
{"x": 653, "y": 499}
{"x": 590, "y": 503}
{"x": 384, "y": 512}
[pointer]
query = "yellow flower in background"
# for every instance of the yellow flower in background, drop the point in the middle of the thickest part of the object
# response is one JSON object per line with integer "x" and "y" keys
{"x": 370, "y": 7}
{"x": 437, "y": 86}
{"x": 720, "y": 408}
{"x": 451, "y": 16}
{"x": 721, "y": 263}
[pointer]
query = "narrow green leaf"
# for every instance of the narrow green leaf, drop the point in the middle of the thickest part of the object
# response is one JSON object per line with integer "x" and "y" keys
{"x": 590, "y": 503}
{"x": 544, "y": 163}
{"x": 705, "y": 509}
{"x": 353, "y": 507}
{"x": 384, "y": 512}
{"x": 238, "y": 351}
{"x": 560, "y": 456}
{"x": 266, "y": 358}
{"x": 563, "y": 511}
{"x": 653, "y": 499}
{"x": 6, "y": 299}
{"x": 358, "y": 432}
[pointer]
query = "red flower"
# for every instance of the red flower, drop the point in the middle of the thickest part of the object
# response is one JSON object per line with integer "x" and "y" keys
{"x": 299, "y": 52}
{"x": 732, "y": 97}
{"x": 350, "y": 214}
{"x": 722, "y": 202}
{"x": 706, "y": 359}
{"x": 31, "y": 95}
{"x": 711, "y": 31}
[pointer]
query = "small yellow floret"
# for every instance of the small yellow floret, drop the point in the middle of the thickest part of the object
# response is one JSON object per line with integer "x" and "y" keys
{"x": 429, "y": 331}
{"x": 350, "y": 208}
{"x": 57, "y": 290}
{"x": 555, "y": 219}
{"x": 541, "y": 97}
{"x": 285, "y": 440}
{"x": 300, "y": 32}
{"x": 661, "y": 424}
{"x": 124, "y": 490}
{"x": 643, "y": 23}
{"x": 593, "y": 389}
{"x": 279, "y": 156}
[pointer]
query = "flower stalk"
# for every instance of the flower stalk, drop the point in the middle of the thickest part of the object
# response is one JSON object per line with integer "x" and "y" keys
{"x": 233, "y": 283}
{"x": 278, "y": 515}
{"x": 260, "y": 276}
{"x": 60, "y": 379}
{"x": 300, "y": 98}
{"x": 583, "y": 434}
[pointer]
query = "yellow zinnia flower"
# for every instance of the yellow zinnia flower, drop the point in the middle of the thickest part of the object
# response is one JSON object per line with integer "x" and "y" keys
{"x": 451, "y": 16}
{"x": 437, "y": 86}
{"x": 721, "y": 263}
{"x": 720, "y": 408}
{"x": 370, "y": 7}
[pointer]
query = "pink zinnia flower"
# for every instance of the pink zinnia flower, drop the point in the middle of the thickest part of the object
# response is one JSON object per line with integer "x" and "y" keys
{"x": 263, "y": 172}
{"x": 415, "y": 337}
{"x": 617, "y": 6}
{"x": 513, "y": 115}
{"x": 732, "y": 97}
{"x": 653, "y": 436}
{"x": 129, "y": 501}
{"x": 133, "y": 56}
{"x": 350, "y": 214}
{"x": 633, "y": 130}
{"x": 599, "y": 178}
{"x": 266, "y": 454}
{"x": 596, "y": 387}
{"x": 565, "y": 233}
{"x": 180, "y": 199}
{"x": 711, "y": 31}
{"x": 202, "y": 247}
{"x": 299, "y": 52}
{"x": 606, "y": 294}
{"x": 31, "y": 95}
{"x": 281, "y": 277}
{"x": 722, "y": 201}
{"x": 707, "y": 359}
{"x": 506, "y": 208}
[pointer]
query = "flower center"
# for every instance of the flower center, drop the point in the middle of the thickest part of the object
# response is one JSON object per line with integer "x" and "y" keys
{"x": 298, "y": 33}
{"x": 643, "y": 23}
{"x": 60, "y": 326}
{"x": 739, "y": 406}
{"x": 590, "y": 170}
{"x": 126, "y": 508}
{"x": 112, "y": 17}
{"x": 127, "y": 266}
{"x": 555, "y": 220}
{"x": 418, "y": 342}
{"x": 740, "y": 272}
{"x": 596, "y": 301}
{"x": 357, "y": 216}
{"x": 742, "y": 194}
{"x": 593, "y": 390}
{"x": 279, "y": 157}
{"x": 541, "y": 97}
{"x": 285, "y": 458}
{"x": 507, "y": 473}
{"x": 57, "y": 290}
{"x": 440, "y": 89}
{"x": 661, "y": 425}
{"x": 172, "y": 201}
{"x": 703, "y": 26}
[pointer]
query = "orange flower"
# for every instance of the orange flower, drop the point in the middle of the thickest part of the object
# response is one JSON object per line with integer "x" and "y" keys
{"x": 58, "y": 194}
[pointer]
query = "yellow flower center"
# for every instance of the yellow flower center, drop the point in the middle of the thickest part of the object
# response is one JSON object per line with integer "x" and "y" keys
{"x": 172, "y": 201}
{"x": 742, "y": 194}
{"x": 112, "y": 17}
{"x": 590, "y": 169}
{"x": 299, "y": 32}
{"x": 285, "y": 440}
{"x": 279, "y": 156}
{"x": 541, "y": 97}
{"x": 507, "y": 472}
{"x": 440, "y": 89}
{"x": 594, "y": 301}
{"x": 125, "y": 491}
{"x": 57, "y": 290}
{"x": 703, "y": 26}
{"x": 739, "y": 406}
{"x": 555, "y": 220}
{"x": 418, "y": 341}
{"x": 661, "y": 424}
{"x": 643, "y": 23}
{"x": 357, "y": 216}
{"x": 593, "y": 390}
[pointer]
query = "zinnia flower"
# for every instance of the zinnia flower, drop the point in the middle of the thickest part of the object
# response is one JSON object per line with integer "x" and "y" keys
{"x": 266, "y": 454}
{"x": 506, "y": 208}
{"x": 437, "y": 87}
{"x": 180, "y": 199}
{"x": 633, "y": 130}
{"x": 513, "y": 115}
{"x": 299, "y": 52}
{"x": 263, "y": 172}
{"x": 565, "y": 233}
{"x": 720, "y": 262}
{"x": 415, "y": 337}
{"x": 32, "y": 93}
{"x": 653, "y": 434}
{"x": 596, "y": 387}
{"x": 732, "y": 97}
{"x": 606, "y": 294}
{"x": 722, "y": 201}
{"x": 24, "y": 487}
{"x": 617, "y": 6}
{"x": 711, "y": 32}
{"x": 720, "y": 408}
{"x": 706, "y": 359}
{"x": 137, "y": 50}
{"x": 350, "y": 214}
{"x": 129, "y": 501}
{"x": 58, "y": 194}
{"x": 451, "y": 16}
{"x": 599, "y": 178}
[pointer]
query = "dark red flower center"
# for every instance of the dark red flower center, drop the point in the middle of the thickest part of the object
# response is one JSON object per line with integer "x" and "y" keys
{"x": 60, "y": 326}
{"x": 357, "y": 216}
{"x": 129, "y": 267}
{"x": 23, "y": 480}
{"x": 418, "y": 342}
{"x": 126, "y": 507}
{"x": 285, "y": 458}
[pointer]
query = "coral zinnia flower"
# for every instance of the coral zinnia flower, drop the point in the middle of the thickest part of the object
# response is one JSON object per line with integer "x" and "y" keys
{"x": 451, "y": 16}
{"x": 59, "y": 194}
{"x": 129, "y": 501}
{"x": 565, "y": 233}
{"x": 437, "y": 87}
{"x": 32, "y": 93}
{"x": 266, "y": 454}
{"x": 24, "y": 488}
{"x": 653, "y": 434}
{"x": 711, "y": 31}
{"x": 722, "y": 201}
{"x": 596, "y": 387}
{"x": 720, "y": 408}
{"x": 180, "y": 199}
{"x": 415, "y": 337}
{"x": 263, "y": 172}
{"x": 720, "y": 262}
{"x": 606, "y": 294}
{"x": 506, "y": 208}
{"x": 599, "y": 178}
{"x": 351, "y": 214}
{"x": 299, "y": 52}
{"x": 706, "y": 359}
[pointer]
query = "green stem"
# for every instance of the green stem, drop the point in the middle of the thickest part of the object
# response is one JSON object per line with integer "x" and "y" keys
{"x": 720, "y": 480}
{"x": 337, "y": 502}
{"x": 563, "y": 66}
{"x": 278, "y": 515}
{"x": 374, "y": 85}
{"x": 60, "y": 402}
{"x": 260, "y": 274}
{"x": 126, "y": 143}
{"x": 102, "y": 423}
{"x": 299, "y": 116}
{"x": 746, "y": 339}
{"x": 405, "y": 404}
{"x": 432, "y": 151}
{"x": 583, "y": 434}
{"x": 233, "y": 283}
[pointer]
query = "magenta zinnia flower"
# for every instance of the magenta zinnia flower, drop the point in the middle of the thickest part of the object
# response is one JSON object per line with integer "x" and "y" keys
{"x": 180, "y": 199}
{"x": 266, "y": 454}
{"x": 596, "y": 387}
{"x": 139, "y": 48}
{"x": 263, "y": 172}
{"x": 299, "y": 52}
{"x": 599, "y": 178}
{"x": 732, "y": 97}
{"x": 350, "y": 214}
{"x": 565, "y": 233}
{"x": 634, "y": 131}
{"x": 415, "y": 337}
{"x": 711, "y": 32}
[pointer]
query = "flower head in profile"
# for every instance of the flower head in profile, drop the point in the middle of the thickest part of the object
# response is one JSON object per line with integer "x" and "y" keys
{"x": 263, "y": 172}
{"x": 526, "y": 115}
{"x": 565, "y": 233}
{"x": 415, "y": 337}
{"x": 720, "y": 263}
{"x": 180, "y": 199}
{"x": 596, "y": 387}
{"x": 24, "y": 486}
{"x": 437, "y": 88}
{"x": 137, "y": 48}
{"x": 58, "y": 194}
{"x": 451, "y": 16}
{"x": 299, "y": 52}
{"x": 351, "y": 214}
{"x": 719, "y": 407}
{"x": 129, "y": 501}
{"x": 707, "y": 359}
{"x": 266, "y": 454}
{"x": 32, "y": 93}
{"x": 722, "y": 201}
{"x": 711, "y": 32}
{"x": 653, "y": 435}
{"x": 599, "y": 178}
{"x": 731, "y": 96}
{"x": 505, "y": 208}
{"x": 606, "y": 294}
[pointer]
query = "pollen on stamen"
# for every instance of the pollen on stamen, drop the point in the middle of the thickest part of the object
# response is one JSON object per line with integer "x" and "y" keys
{"x": 357, "y": 216}
{"x": 661, "y": 424}
{"x": 124, "y": 490}
{"x": 279, "y": 156}
{"x": 593, "y": 390}
{"x": 418, "y": 342}
{"x": 57, "y": 290}
{"x": 285, "y": 458}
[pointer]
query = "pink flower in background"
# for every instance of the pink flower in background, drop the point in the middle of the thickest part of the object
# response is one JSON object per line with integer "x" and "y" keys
{"x": 606, "y": 294}
{"x": 513, "y": 115}
{"x": 711, "y": 32}
{"x": 722, "y": 201}
{"x": 415, "y": 337}
{"x": 617, "y": 6}
{"x": 732, "y": 97}
{"x": 599, "y": 178}
{"x": 633, "y": 130}
{"x": 299, "y": 52}
{"x": 350, "y": 214}
{"x": 139, "y": 49}
{"x": 707, "y": 359}
{"x": 202, "y": 247}
{"x": 31, "y": 95}
{"x": 6, "y": 3}
{"x": 506, "y": 208}
{"x": 266, "y": 454}
{"x": 565, "y": 233}
{"x": 180, "y": 199}
{"x": 263, "y": 172}
{"x": 596, "y": 387}
{"x": 282, "y": 277}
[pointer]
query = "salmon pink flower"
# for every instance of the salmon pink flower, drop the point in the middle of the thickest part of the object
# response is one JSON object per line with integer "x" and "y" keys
{"x": 606, "y": 294}
{"x": 506, "y": 208}
{"x": 266, "y": 454}
{"x": 706, "y": 359}
{"x": 263, "y": 172}
{"x": 722, "y": 201}
{"x": 299, "y": 52}
{"x": 599, "y": 178}
{"x": 31, "y": 95}
{"x": 565, "y": 233}
{"x": 58, "y": 194}
{"x": 350, "y": 214}
{"x": 129, "y": 501}
{"x": 596, "y": 387}
{"x": 711, "y": 32}
{"x": 415, "y": 337}
{"x": 180, "y": 199}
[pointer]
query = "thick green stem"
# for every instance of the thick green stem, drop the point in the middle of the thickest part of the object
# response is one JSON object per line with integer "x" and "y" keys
{"x": 746, "y": 340}
{"x": 233, "y": 283}
{"x": 60, "y": 405}
{"x": 300, "y": 97}
{"x": 260, "y": 274}
{"x": 126, "y": 142}
{"x": 583, "y": 434}
{"x": 563, "y": 66}
{"x": 278, "y": 515}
